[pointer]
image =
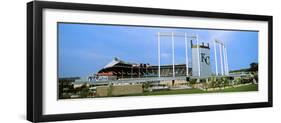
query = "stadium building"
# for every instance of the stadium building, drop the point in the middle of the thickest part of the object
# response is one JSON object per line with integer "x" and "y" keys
{"x": 118, "y": 69}
{"x": 200, "y": 67}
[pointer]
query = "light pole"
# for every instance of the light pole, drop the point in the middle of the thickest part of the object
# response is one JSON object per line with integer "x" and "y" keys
{"x": 222, "y": 73}
{"x": 158, "y": 37}
{"x": 226, "y": 61}
{"x": 198, "y": 55}
{"x": 223, "y": 57}
{"x": 173, "y": 53}
{"x": 186, "y": 52}
{"x": 172, "y": 35}
{"x": 216, "y": 62}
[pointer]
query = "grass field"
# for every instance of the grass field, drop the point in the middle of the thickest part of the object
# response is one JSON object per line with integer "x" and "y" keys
{"x": 252, "y": 87}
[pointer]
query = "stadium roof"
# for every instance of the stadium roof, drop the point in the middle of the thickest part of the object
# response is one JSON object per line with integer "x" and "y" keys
{"x": 116, "y": 61}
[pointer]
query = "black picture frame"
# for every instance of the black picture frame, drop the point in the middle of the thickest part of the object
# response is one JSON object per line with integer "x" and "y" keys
{"x": 35, "y": 69}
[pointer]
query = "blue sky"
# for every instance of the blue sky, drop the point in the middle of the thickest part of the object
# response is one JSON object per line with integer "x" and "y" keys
{"x": 86, "y": 48}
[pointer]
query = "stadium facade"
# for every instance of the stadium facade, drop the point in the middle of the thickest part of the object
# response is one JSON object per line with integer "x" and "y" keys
{"x": 119, "y": 69}
{"x": 200, "y": 59}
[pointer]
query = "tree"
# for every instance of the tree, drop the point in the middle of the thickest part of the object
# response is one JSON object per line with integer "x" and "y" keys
{"x": 213, "y": 82}
{"x": 146, "y": 85}
{"x": 256, "y": 76}
{"x": 237, "y": 81}
{"x": 219, "y": 83}
{"x": 84, "y": 92}
{"x": 65, "y": 89}
{"x": 110, "y": 87}
{"x": 192, "y": 82}
{"x": 225, "y": 82}
{"x": 253, "y": 67}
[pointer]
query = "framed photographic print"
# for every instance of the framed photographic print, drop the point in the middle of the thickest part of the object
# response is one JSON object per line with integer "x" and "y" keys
{"x": 95, "y": 61}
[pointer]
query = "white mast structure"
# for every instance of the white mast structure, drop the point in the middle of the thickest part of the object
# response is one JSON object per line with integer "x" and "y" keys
{"x": 198, "y": 55}
{"x": 216, "y": 64}
{"x": 159, "y": 62}
{"x": 186, "y": 55}
{"x": 222, "y": 72}
{"x": 223, "y": 58}
{"x": 173, "y": 52}
{"x": 172, "y": 35}
{"x": 226, "y": 61}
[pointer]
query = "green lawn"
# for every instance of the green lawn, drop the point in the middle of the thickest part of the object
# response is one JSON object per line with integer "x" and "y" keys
{"x": 169, "y": 92}
{"x": 252, "y": 87}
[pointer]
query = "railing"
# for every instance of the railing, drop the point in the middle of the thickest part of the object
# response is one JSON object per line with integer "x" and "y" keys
{"x": 141, "y": 80}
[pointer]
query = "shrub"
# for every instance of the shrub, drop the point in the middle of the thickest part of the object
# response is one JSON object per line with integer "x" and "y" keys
{"x": 192, "y": 82}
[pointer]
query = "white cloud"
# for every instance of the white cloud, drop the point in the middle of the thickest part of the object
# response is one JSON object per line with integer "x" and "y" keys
{"x": 165, "y": 55}
{"x": 222, "y": 35}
